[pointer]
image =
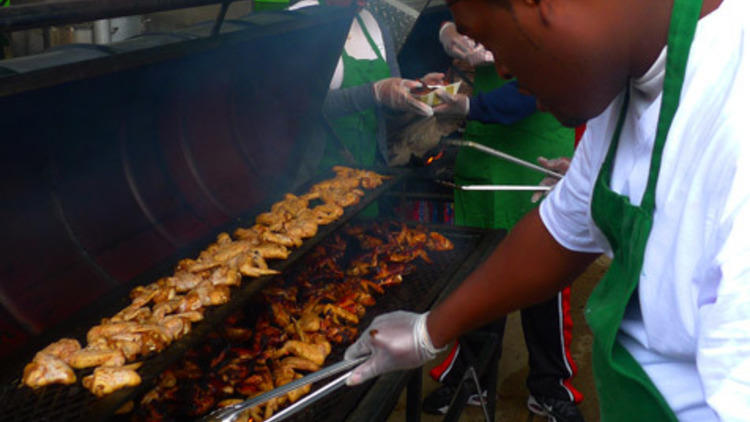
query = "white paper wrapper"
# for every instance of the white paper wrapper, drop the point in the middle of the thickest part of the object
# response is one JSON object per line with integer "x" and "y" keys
{"x": 432, "y": 100}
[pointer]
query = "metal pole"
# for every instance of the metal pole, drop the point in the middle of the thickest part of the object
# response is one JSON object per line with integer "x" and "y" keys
{"x": 220, "y": 18}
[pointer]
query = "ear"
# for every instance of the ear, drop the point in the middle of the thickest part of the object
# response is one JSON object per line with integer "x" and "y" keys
{"x": 545, "y": 9}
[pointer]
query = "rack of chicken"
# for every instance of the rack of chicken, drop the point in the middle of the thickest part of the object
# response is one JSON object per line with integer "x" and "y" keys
{"x": 164, "y": 311}
{"x": 301, "y": 315}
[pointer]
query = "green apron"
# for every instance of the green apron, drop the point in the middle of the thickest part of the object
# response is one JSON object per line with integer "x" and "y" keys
{"x": 357, "y": 131}
{"x": 625, "y": 391}
{"x": 537, "y": 135}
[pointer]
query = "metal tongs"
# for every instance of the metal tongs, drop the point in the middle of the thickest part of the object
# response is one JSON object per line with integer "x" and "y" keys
{"x": 504, "y": 156}
{"x": 241, "y": 411}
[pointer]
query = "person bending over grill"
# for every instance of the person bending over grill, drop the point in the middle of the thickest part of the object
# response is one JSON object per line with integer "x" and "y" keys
{"x": 365, "y": 84}
{"x": 659, "y": 181}
{"x": 502, "y": 117}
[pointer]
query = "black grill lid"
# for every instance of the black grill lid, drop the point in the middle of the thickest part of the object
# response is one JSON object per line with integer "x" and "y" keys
{"x": 118, "y": 161}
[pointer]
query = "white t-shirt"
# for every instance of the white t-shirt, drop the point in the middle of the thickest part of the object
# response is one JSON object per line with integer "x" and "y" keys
{"x": 690, "y": 325}
{"x": 356, "y": 44}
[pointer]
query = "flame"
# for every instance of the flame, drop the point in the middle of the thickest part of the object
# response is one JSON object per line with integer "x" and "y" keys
{"x": 434, "y": 158}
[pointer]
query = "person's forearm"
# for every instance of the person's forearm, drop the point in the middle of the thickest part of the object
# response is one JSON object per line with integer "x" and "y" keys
{"x": 528, "y": 267}
{"x": 505, "y": 105}
{"x": 340, "y": 102}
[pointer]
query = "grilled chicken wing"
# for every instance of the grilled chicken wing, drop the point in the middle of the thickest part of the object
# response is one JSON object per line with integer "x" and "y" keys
{"x": 86, "y": 358}
{"x": 63, "y": 348}
{"x": 107, "y": 379}
{"x": 47, "y": 369}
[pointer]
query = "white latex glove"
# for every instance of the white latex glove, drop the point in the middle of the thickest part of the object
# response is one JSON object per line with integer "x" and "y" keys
{"x": 394, "y": 93}
{"x": 461, "y": 47}
{"x": 559, "y": 165}
{"x": 394, "y": 341}
{"x": 453, "y": 105}
{"x": 480, "y": 56}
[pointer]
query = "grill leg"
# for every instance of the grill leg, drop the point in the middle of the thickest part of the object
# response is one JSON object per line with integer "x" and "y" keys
{"x": 414, "y": 396}
{"x": 492, "y": 379}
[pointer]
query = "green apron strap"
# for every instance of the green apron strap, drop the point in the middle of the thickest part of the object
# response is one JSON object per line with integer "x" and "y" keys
{"x": 373, "y": 45}
{"x": 625, "y": 390}
{"x": 681, "y": 33}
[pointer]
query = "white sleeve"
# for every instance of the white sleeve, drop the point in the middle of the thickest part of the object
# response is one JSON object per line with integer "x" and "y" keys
{"x": 723, "y": 332}
{"x": 565, "y": 212}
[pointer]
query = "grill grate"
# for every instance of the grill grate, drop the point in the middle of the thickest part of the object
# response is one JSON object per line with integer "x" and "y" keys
{"x": 417, "y": 292}
{"x": 75, "y": 403}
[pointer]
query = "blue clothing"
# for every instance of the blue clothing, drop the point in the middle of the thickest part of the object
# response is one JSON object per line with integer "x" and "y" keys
{"x": 504, "y": 105}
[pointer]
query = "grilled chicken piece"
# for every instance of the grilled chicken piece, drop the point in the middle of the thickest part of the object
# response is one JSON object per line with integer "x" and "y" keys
{"x": 341, "y": 197}
{"x": 339, "y": 312}
{"x": 103, "y": 331}
{"x": 299, "y": 364}
{"x": 184, "y": 281}
{"x": 132, "y": 313}
{"x": 328, "y": 212}
{"x": 176, "y": 326}
{"x": 294, "y": 395}
{"x": 251, "y": 235}
{"x": 438, "y": 242}
{"x": 107, "y": 379}
{"x": 208, "y": 294}
{"x": 280, "y": 315}
{"x": 163, "y": 309}
{"x": 86, "y": 358}
{"x": 282, "y": 238}
{"x": 292, "y": 204}
{"x": 255, "y": 266}
{"x": 271, "y": 250}
{"x": 224, "y": 276}
{"x": 47, "y": 369}
{"x": 302, "y": 228}
{"x": 309, "y": 322}
{"x": 315, "y": 352}
{"x": 128, "y": 343}
{"x": 63, "y": 348}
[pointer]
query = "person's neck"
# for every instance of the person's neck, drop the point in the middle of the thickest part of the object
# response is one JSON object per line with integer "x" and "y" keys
{"x": 651, "y": 33}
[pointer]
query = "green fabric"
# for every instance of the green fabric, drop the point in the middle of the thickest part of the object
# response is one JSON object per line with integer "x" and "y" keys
{"x": 357, "y": 131}
{"x": 625, "y": 390}
{"x": 537, "y": 135}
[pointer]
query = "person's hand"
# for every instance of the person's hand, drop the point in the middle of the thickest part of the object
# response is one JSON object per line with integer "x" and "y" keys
{"x": 453, "y": 105}
{"x": 398, "y": 340}
{"x": 394, "y": 93}
{"x": 480, "y": 56}
{"x": 559, "y": 165}
{"x": 461, "y": 47}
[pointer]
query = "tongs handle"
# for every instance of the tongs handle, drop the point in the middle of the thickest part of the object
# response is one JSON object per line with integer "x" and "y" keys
{"x": 512, "y": 188}
{"x": 504, "y": 156}
{"x": 230, "y": 412}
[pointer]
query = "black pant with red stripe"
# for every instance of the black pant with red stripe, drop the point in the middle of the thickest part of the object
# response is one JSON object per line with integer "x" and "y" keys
{"x": 547, "y": 328}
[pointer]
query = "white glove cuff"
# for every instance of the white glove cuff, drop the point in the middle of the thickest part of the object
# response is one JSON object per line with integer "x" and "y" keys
{"x": 376, "y": 91}
{"x": 424, "y": 339}
{"x": 443, "y": 28}
{"x": 466, "y": 105}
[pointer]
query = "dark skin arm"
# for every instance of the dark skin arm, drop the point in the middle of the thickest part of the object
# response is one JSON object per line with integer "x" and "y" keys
{"x": 528, "y": 267}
